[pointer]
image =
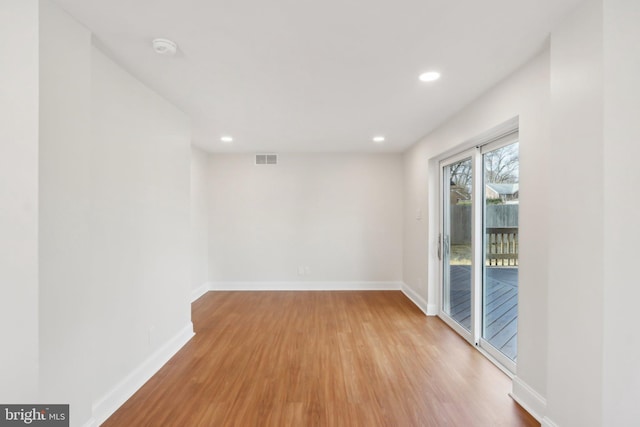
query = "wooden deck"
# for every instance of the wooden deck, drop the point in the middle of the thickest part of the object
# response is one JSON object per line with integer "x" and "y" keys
{"x": 501, "y": 316}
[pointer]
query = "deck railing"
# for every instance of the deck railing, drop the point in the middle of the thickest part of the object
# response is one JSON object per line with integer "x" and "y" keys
{"x": 502, "y": 246}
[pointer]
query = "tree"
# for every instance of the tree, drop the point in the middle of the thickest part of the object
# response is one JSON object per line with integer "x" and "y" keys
{"x": 502, "y": 165}
{"x": 460, "y": 175}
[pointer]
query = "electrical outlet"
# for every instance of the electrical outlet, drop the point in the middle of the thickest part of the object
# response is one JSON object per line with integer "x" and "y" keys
{"x": 301, "y": 270}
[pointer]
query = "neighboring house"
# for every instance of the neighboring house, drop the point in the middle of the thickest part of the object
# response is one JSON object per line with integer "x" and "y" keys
{"x": 458, "y": 194}
{"x": 504, "y": 192}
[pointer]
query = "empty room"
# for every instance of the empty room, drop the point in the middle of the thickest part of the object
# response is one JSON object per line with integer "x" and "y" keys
{"x": 319, "y": 213}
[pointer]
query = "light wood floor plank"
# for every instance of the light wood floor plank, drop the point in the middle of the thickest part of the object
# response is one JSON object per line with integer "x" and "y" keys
{"x": 322, "y": 359}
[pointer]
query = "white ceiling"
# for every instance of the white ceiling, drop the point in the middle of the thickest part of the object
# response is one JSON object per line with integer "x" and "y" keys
{"x": 319, "y": 75}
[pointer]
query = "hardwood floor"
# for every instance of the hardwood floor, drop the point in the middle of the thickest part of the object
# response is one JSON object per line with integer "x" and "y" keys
{"x": 322, "y": 359}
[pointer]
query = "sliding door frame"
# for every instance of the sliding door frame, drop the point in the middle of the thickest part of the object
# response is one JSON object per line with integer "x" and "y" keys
{"x": 496, "y": 138}
{"x": 498, "y": 143}
{"x": 444, "y": 211}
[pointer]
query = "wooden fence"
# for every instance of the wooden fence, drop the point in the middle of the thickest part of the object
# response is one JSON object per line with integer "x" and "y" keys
{"x": 501, "y": 246}
{"x": 496, "y": 216}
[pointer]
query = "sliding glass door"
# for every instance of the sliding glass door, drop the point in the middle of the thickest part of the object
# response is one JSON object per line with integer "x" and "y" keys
{"x": 501, "y": 172}
{"x": 479, "y": 245}
{"x": 456, "y": 241}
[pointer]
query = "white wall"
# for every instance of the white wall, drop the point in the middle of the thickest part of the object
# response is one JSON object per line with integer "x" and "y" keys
{"x": 95, "y": 224}
{"x": 524, "y": 94}
{"x": 576, "y": 235}
{"x": 199, "y": 219}
{"x": 340, "y": 215}
{"x": 621, "y": 205}
{"x": 19, "y": 200}
{"x": 140, "y": 221}
{"x": 66, "y": 310}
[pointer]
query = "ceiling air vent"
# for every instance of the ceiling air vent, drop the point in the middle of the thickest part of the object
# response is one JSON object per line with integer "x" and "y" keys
{"x": 266, "y": 159}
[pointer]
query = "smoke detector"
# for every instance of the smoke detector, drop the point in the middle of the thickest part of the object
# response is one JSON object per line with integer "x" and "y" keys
{"x": 164, "y": 47}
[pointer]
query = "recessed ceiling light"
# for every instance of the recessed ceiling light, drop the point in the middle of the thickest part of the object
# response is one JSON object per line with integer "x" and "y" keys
{"x": 430, "y": 76}
{"x": 164, "y": 47}
{"x": 226, "y": 139}
{"x": 378, "y": 139}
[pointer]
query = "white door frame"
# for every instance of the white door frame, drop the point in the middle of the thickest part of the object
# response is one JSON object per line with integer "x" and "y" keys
{"x": 443, "y": 241}
{"x": 498, "y": 137}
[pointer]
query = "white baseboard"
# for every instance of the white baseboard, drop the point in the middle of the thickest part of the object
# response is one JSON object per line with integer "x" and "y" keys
{"x": 546, "y": 422}
{"x": 103, "y": 408}
{"x": 305, "y": 286}
{"x": 198, "y": 292}
{"x": 428, "y": 309}
{"x": 529, "y": 399}
{"x": 91, "y": 422}
{"x": 432, "y": 310}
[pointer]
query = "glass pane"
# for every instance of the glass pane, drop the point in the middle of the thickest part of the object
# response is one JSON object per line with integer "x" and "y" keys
{"x": 457, "y": 241}
{"x": 500, "y": 286}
